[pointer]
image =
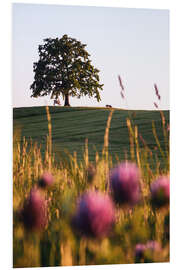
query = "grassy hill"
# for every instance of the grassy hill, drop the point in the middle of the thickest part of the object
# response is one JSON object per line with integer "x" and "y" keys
{"x": 71, "y": 126}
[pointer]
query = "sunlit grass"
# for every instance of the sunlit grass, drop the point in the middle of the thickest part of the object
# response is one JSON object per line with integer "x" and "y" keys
{"x": 58, "y": 244}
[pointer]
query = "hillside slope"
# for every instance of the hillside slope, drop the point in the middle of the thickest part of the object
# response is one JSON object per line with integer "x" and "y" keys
{"x": 71, "y": 126}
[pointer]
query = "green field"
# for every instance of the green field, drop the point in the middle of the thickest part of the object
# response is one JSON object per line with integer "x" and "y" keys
{"x": 58, "y": 243}
{"x": 71, "y": 127}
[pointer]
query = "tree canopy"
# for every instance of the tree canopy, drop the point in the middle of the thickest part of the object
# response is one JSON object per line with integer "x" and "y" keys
{"x": 64, "y": 68}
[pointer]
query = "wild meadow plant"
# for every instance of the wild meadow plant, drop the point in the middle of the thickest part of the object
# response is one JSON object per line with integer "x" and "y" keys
{"x": 34, "y": 213}
{"x": 160, "y": 191}
{"x": 125, "y": 184}
{"x": 46, "y": 180}
{"x": 95, "y": 215}
{"x": 83, "y": 213}
{"x": 145, "y": 252}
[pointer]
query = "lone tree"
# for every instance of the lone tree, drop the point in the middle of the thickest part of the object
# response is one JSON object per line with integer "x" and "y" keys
{"x": 64, "y": 69}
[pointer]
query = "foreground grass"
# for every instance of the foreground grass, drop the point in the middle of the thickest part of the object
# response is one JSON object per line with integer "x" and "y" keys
{"x": 58, "y": 244}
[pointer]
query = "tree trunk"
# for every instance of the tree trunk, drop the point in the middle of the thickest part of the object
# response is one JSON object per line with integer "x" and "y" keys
{"x": 66, "y": 100}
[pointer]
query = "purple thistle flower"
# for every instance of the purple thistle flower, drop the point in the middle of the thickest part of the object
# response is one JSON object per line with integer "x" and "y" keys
{"x": 153, "y": 246}
{"x": 124, "y": 182}
{"x": 34, "y": 212}
{"x": 46, "y": 180}
{"x": 95, "y": 215}
{"x": 160, "y": 192}
{"x": 144, "y": 252}
{"x": 139, "y": 251}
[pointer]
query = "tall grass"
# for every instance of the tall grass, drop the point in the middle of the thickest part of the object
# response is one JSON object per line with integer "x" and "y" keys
{"x": 58, "y": 244}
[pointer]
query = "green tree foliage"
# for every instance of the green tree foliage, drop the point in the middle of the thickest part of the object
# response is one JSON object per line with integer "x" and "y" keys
{"x": 64, "y": 68}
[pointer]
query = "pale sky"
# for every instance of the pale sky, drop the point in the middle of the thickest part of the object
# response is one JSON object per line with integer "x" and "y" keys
{"x": 132, "y": 43}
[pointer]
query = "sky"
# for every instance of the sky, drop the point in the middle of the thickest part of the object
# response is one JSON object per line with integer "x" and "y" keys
{"x": 29, "y": 57}
{"x": 130, "y": 42}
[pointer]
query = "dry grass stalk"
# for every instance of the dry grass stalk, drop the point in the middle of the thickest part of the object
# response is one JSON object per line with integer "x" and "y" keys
{"x": 156, "y": 139}
{"x": 106, "y": 135}
{"x": 137, "y": 146}
{"x": 131, "y": 138}
{"x": 165, "y": 133}
{"x": 86, "y": 153}
{"x": 49, "y": 137}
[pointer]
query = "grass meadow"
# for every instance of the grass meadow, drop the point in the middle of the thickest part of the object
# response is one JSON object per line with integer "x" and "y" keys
{"x": 80, "y": 147}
